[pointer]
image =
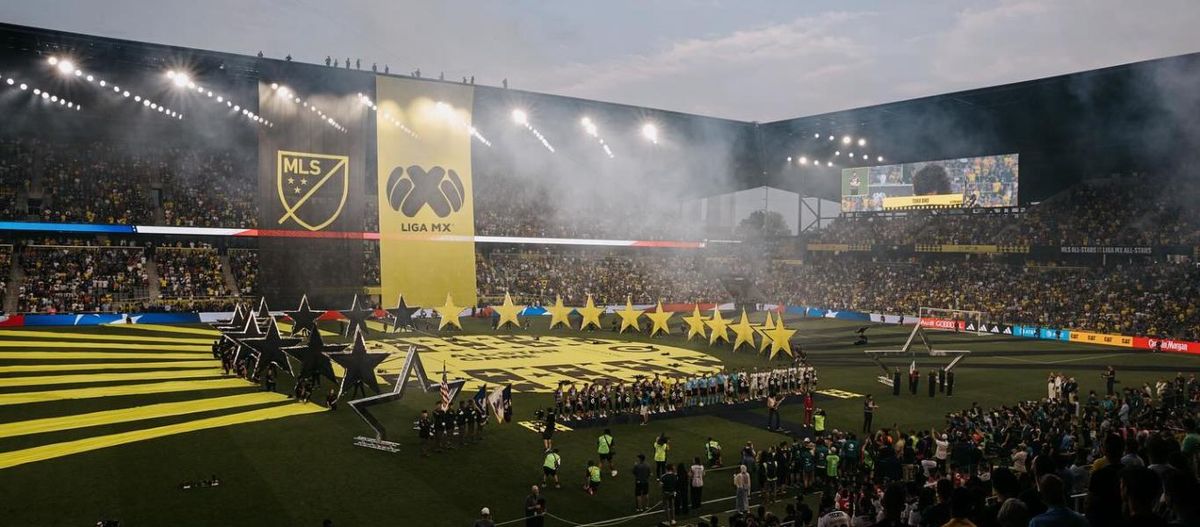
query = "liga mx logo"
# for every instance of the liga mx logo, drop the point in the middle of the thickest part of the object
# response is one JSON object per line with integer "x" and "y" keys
{"x": 312, "y": 187}
{"x": 410, "y": 189}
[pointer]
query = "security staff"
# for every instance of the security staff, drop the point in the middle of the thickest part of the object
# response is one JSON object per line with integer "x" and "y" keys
{"x": 604, "y": 449}
{"x": 932, "y": 383}
{"x": 949, "y": 383}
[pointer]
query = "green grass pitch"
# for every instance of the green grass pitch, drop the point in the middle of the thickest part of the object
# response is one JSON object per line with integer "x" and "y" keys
{"x": 298, "y": 470}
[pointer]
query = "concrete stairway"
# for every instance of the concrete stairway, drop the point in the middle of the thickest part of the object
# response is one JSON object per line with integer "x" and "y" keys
{"x": 231, "y": 285}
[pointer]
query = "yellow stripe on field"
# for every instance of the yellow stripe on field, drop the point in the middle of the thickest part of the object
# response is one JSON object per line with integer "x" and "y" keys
{"x": 128, "y": 389}
{"x": 184, "y": 364}
{"x": 100, "y": 336}
{"x": 137, "y": 413}
{"x": 73, "y": 355}
{"x": 103, "y": 345}
{"x": 173, "y": 329}
{"x": 39, "y": 380}
{"x": 41, "y": 453}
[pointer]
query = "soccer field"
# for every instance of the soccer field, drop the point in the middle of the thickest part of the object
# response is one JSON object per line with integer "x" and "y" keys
{"x": 107, "y": 422}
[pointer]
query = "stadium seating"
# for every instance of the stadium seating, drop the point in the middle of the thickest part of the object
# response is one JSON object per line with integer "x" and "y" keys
{"x": 190, "y": 272}
{"x": 80, "y": 278}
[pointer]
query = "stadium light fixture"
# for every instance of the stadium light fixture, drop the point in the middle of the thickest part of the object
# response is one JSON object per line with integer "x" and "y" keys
{"x": 53, "y": 61}
{"x": 845, "y": 139}
{"x": 803, "y": 160}
{"x": 879, "y": 159}
{"x": 520, "y": 117}
{"x": 831, "y": 138}
{"x": 181, "y": 80}
{"x": 862, "y": 142}
{"x": 837, "y": 153}
{"x": 650, "y": 132}
{"x": 66, "y": 67}
{"x": 817, "y": 135}
{"x": 789, "y": 160}
{"x": 830, "y": 164}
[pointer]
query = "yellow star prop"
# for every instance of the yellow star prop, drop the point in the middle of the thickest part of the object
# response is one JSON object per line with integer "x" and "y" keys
{"x": 718, "y": 326}
{"x": 781, "y": 339}
{"x": 629, "y": 316}
{"x": 591, "y": 314}
{"x": 661, "y": 320}
{"x": 764, "y": 333}
{"x": 559, "y": 314}
{"x": 449, "y": 314}
{"x": 743, "y": 332}
{"x": 508, "y": 312}
{"x": 695, "y": 323}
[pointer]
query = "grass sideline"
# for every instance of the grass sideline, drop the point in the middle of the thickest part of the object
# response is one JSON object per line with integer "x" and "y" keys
{"x": 299, "y": 470}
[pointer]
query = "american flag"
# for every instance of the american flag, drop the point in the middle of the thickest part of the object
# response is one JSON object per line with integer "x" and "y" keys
{"x": 445, "y": 389}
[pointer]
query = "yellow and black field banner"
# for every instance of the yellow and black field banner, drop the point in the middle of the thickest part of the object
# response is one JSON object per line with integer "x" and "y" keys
{"x": 426, "y": 210}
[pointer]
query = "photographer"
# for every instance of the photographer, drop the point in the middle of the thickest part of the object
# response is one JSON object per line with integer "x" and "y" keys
{"x": 604, "y": 448}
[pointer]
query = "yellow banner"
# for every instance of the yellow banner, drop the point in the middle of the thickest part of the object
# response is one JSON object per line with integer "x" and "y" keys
{"x": 934, "y": 200}
{"x": 426, "y": 210}
{"x": 1101, "y": 338}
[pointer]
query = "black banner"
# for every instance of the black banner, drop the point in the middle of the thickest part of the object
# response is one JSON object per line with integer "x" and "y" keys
{"x": 313, "y": 166}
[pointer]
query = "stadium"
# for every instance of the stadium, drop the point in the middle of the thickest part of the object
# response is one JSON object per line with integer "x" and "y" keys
{"x": 249, "y": 290}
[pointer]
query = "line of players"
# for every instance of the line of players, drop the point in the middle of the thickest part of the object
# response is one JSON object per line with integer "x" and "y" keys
{"x": 442, "y": 429}
{"x": 940, "y": 380}
{"x": 662, "y": 395}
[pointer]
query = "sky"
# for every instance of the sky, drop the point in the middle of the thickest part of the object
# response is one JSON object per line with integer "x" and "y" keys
{"x": 743, "y": 59}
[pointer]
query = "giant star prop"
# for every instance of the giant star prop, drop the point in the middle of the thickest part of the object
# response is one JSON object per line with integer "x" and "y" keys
{"x": 303, "y": 317}
{"x": 449, "y": 313}
{"x": 269, "y": 350}
{"x": 359, "y": 365}
{"x": 781, "y": 339}
{"x": 357, "y": 317}
{"x": 508, "y": 312}
{"x": 249, "y": 330}
{"x": 402, "y": 314}
{"x": 764, "y": 333}
{"x": 412, "y": 367}
{"x": 236, "y": 323}
{"x": 718, "y": 326}
{"x": 559, "y": 314}
{"x": 743, "y": 332}
{"x": 661, "y": 320}
{"x": 264, "y": 312}
{"x": 313, "y": 358}
{"x": 695, "y": 323}
{"x": 590, "y": 313}
{"x": 629, "y": 316}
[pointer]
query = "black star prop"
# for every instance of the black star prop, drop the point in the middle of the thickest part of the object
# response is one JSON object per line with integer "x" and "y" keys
{"x": 303, "y": 317}
{"x": 412, "y": 367}
{"x": 357, "y": 317}
{"x": 402, "y": 314}
{"x": 313, "y": 358}
{"x": 263, "y": 311}
{"x": 269, "y": 348}
{"x": 359, "y": 365}
{"x": 237, "y": 322}
{"x": 249, "y": 330}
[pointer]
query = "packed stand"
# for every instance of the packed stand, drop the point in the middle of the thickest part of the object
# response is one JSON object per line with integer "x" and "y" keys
{"x": 189, "y": 272}
{"x": 529, "y": 207}
{"x": 1153, "y": 300}
{"x": 244, "y": 265}
{"x": 16, "y": 161}
{"x": 209, "y": 189}
{"x": 538, "y": 277}
{"x": 80, "y": 278}
{"x": 93, "y": 184}
{"x": 5, "y": 269}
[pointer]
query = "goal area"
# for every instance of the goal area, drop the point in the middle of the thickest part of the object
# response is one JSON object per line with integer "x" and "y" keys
{"x": 954, "y": 320}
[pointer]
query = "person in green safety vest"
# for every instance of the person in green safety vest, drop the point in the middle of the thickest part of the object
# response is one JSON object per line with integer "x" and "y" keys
{"x": 604, "y": 448}
{"x": 713, "y": 449}
{"x": 550, "y": 467}
{"x": 831, "y": 464}
{"x": 592, "y": 478}
{"x": 661, "y": 446}
{"x": 819, "y": 422}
